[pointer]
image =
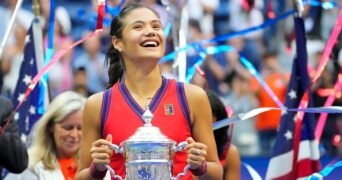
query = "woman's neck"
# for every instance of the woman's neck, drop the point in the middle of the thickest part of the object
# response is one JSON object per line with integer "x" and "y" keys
{"x": 65, "y": 157}
{"x": 143, "y": 83}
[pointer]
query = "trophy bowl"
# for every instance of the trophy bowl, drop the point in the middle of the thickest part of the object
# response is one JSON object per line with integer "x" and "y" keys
{"x": 148, "y": 153}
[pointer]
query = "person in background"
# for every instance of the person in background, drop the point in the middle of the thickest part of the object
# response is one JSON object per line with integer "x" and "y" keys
{"x": 268, "y": 122}
{"x": 12, "y": 59}
{"x": 23, "y": 16}
{"x": 203, "y": 11}
{"x": 228, "y": 153}
{"x": 321, "y": 90}
{"x": 60, "y": 75}
{"x": 55, "y": 140}
{"x": 13, "y": 152}
{"x": 81, "y": 82}
{"x": 242, "y": 100}
{"x": 92, "y": 59}
{"x": 181, "y": 111}
{"x": 214, "y": 66}
{"x": 244, "y": 15}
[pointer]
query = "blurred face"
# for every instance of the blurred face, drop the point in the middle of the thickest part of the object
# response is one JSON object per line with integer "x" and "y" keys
{"x": 20, "y": 34}
{"x": 271, "y": 64}
{"x": 148, "y": 2}
{"x": 92, "y": 45}
{"x": 67, "y": 135}
{"x": 240, "y": 85}
{"x": 142, "y": 36}
{"x": 80, "y": 78}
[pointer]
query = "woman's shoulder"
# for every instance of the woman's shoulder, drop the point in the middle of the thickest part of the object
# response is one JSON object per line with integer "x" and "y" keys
{"x": 233, "y": 156}
{"x": 93, "y": 107}
{"x": 197, "y": 100}
{"x": 194, "y": 90}
{"x": 233, "y": 150}
{"x": 95, "y": 97}
{"x": 95, "y": 100}
{"x": 40, "y": 170}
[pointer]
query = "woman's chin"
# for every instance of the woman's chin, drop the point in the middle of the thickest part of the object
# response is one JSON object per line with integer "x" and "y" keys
{"x": 151, "y": 58}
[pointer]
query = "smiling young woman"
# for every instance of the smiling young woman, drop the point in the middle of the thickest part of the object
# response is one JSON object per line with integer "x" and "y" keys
{"x": 113, "y": 115}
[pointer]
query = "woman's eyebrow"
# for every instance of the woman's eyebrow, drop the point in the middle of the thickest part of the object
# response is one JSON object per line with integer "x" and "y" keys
{"x": 144, "y": 22}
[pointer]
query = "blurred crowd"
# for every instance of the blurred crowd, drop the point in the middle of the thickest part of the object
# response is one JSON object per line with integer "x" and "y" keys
{"x": 270, "y": 50}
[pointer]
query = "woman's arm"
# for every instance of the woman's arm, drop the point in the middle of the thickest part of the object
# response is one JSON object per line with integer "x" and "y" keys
{"x": 232, "y": 164}
{"x": 202, "y": 133}
{"x": 93, "y": 149}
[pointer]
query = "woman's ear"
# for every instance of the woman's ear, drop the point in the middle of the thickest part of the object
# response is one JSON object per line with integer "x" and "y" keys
{"x": 116, "y": 43}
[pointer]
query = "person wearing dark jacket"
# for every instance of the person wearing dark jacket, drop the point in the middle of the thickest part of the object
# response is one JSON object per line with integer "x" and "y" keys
{"x": 13, "y": 152}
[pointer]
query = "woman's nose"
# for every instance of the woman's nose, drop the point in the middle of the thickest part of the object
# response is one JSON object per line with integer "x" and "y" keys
{"x": 149, "y": 32}
{"x": 75, "y": 132}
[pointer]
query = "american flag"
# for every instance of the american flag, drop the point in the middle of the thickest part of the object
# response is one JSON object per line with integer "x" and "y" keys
{"x": 296, "y": 156}
{"x": 33, "y": 107}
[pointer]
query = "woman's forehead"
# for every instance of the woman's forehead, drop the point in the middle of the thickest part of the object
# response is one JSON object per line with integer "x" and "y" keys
{"x": 141, "y": 14}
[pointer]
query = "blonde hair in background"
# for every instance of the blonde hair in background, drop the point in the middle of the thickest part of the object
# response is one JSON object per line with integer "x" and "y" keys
{"x": 43, "y": 145}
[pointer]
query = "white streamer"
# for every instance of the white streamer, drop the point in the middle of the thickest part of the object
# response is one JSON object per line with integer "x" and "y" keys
{"x": 254, "y": 174}
{"x": 10, "y": 25}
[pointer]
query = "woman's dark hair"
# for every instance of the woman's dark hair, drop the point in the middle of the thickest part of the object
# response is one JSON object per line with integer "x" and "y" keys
{"x": 113, "y": 57}
{"x": 219, "y": 111}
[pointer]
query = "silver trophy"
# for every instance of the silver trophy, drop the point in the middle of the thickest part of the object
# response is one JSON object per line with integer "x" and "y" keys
{"x": 148, "y": 153}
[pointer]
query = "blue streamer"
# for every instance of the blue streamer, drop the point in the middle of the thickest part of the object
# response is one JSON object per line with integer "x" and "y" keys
{"x": 192, "y": 70}
{"x": 167, "y": 29}
{"x": 249, "y": 66}
{"x": 202, "y": 54}
{"x": 114, "y": 11}
{"x": 325, "y": 5}
{"x": 171, "y": 56}
{"x": 257, "y": 75}
{"x": 246, "y": 31}
{"x": 326, "y": 171}
{"x": 225, "y": 37}
{"x": 219, "y": 49}
{"x": 48, "y": 55}
{"x": 51, "y": 28}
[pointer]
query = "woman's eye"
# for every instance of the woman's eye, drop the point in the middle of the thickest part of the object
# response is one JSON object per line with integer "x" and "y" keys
{"x": 156, "y": 26}
{"x": 68, "y": 128}
{"x": 72, "y": 127}
{"x": 137, "y": 27}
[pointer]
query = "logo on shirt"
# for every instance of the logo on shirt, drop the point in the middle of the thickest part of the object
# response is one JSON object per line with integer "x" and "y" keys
{"x": 169, "y": 109}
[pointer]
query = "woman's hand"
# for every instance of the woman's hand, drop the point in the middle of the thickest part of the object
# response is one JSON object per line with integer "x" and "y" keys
{"x": 197, "y": 153}
{"x": 101, "y": 152}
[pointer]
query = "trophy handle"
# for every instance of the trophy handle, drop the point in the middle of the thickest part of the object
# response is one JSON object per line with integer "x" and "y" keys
{"x": 177, "y": 148}
{"x": 116, "y": 148}
{"x": 180, "y": 146}
{"x": 185, "y": 170}
{"x": 112, "y": 173}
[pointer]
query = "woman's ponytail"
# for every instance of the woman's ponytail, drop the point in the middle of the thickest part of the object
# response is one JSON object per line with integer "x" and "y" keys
{"x": 116, "y": 66}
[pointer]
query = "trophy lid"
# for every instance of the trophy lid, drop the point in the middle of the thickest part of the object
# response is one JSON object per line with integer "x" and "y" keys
{"x": 148, "y": 132}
